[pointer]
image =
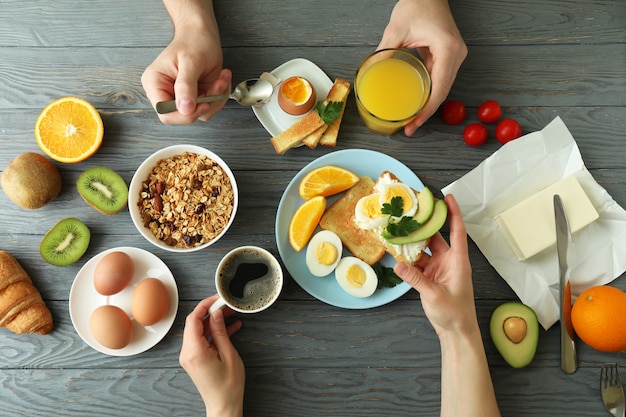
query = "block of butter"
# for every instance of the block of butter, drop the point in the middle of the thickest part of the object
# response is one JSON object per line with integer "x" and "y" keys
{"x": 529, "y": 226}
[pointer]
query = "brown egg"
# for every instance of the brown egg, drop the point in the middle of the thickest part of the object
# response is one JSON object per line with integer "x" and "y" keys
{"x": 111, "y": 327}
{"x": 149, "y": 302}
{"x": 296, "y": 96}
{"x": 113, "y": 273}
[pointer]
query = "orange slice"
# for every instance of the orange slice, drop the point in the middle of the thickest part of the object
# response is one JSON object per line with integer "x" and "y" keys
{"x": 304, "y": 222}
{"x": 69, "y": 130}
{"x": 326, "y": 181}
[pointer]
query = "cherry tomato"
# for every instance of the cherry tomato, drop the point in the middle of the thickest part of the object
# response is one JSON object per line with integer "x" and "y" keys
{"x": 489, "y": 112}
{"x": 453, "y": 112}
{"x": 507, "y": 130}
{"x": 475, "y": 134}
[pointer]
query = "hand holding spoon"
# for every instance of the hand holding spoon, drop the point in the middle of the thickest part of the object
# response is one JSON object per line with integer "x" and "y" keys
{"x": 247, "y": 93}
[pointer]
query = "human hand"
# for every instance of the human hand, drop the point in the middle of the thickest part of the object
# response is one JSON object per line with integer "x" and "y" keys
{"x": 212, "y": 361}
{"x": 444, "y": 280}
{"x": 188, "y": 68}
{"x": 429, "y": 27}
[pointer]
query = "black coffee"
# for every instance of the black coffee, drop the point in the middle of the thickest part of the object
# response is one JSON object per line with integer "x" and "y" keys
{"x": 244, "y": 274}
{"x": 249, "y": 280}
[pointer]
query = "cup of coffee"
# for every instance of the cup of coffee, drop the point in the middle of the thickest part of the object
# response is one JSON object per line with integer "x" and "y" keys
{"x": 248, "y": 280}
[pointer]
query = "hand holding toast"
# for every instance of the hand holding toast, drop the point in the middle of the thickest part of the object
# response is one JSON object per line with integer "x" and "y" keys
{"x": 444, "y": 280}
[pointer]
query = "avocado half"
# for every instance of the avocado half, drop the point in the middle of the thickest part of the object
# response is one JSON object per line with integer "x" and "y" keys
{"x": 515, "y": 333}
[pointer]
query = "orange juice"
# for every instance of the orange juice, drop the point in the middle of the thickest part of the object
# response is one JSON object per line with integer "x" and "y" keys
{"x": 391, "y": 87}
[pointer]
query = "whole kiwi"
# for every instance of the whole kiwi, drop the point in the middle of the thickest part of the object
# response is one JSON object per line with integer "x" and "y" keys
{"x": 31, "y": 181}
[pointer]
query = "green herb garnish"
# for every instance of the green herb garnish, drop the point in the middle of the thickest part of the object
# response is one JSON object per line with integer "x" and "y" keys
{"x": 329, "y": 112}
{"x": 386, "y": 277}
{"x": 402, "y": 227}
{"x": 394, "y": 207}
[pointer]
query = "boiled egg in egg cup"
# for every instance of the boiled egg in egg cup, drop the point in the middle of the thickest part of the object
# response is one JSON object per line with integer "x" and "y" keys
{"x": 323, "y": 253}
{"x": 296, "y": 96}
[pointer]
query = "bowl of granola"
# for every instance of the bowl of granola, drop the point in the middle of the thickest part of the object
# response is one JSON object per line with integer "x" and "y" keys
{"x": 183, "y": 198}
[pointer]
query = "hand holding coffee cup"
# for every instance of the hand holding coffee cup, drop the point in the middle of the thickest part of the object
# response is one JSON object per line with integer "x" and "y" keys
{"x": 248, "y": 280}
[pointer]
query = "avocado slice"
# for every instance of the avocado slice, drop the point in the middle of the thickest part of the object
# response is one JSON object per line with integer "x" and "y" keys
{"x": 515, "y": 333}
{"x": 426, "y": 230}
{"x": 425, "y": 206}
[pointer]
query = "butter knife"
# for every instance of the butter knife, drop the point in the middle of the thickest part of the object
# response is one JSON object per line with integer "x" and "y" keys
{"x": 563, "y": 242}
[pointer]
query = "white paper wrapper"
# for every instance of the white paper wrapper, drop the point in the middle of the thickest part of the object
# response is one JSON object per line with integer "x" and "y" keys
{"x": 512, "y": 174}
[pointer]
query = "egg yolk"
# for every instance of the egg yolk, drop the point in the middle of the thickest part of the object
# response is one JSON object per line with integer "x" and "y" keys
{"x": 326, "y": 253}
{"x": 370, "y": 206}
{"x": 398, "y": 191}
{"x": 355, "y": 275}
{"x": 296, "y": 90}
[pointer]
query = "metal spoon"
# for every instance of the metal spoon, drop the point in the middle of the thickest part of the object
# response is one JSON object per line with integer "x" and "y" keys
{"x": 247, "y": 93}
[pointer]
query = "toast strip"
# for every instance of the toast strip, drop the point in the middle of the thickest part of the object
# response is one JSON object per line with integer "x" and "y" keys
{"x": 295, "y": 133}
{"x": 329, "y": 138}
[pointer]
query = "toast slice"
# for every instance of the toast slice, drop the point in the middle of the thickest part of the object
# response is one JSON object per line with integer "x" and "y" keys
{"x": 339, "y": 218}
{"x": 367, "y": 245}
{"x": 309, "y": 130}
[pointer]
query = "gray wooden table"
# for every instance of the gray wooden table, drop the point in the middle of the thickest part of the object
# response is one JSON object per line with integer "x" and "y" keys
{"x": 303, "y": 357}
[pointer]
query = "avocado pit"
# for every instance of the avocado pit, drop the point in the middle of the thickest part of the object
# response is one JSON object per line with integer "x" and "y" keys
{"x": 515, "y": 329}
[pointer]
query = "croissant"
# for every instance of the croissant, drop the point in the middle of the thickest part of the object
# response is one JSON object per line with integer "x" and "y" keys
{"x": 22, "y": 310}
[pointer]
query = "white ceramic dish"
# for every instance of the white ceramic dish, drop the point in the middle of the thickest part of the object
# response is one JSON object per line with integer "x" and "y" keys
{"x": 142, "y": 173}
{"x": 326, "y": 289}
{"x": 272, "y": 117}
{"x": 84, "y": 299}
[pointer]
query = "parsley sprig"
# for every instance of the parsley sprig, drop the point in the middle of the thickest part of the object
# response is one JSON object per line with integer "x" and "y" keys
{"x": 329, "y": 112}
{"x": 402, "y": 227}
{"x": 386, "y": 277}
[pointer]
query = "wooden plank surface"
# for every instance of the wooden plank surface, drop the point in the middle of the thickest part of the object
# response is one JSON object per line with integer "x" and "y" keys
{"x": 303, "y": 357}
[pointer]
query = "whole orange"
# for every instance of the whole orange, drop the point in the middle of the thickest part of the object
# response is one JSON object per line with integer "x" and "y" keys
{"x": 599, "y": 318}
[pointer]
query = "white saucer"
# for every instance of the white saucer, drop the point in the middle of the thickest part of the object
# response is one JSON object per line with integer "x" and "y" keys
{"x": 272, "y": 117}
{"x": 84, "y": 299}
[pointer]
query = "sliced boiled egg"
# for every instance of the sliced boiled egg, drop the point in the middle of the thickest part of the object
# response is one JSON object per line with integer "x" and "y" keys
{"x": 323, "y": 253}
{"x": 388, "y": 190}
{"x": 296, "y": 96}
{"x": 368, "y": 214}
{"x": 356, "y": 277}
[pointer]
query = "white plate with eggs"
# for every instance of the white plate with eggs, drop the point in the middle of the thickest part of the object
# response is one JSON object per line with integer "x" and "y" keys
{"x": 361, "y": 162}
{"x": 84, "y": 300}
{"x": 274, "y": 119}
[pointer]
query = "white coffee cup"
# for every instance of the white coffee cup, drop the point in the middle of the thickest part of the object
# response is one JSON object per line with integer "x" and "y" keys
{"x": 248, "y": 279}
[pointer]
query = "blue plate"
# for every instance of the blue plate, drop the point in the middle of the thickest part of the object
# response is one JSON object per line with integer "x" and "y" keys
{"x": 361, "y": 162}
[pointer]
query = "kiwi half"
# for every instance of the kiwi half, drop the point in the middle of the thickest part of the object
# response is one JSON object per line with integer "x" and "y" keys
{"x": 65, "y": 243}
{"x": 103, "y": 189}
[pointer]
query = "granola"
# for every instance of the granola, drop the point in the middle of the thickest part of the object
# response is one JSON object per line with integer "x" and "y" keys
{"x": 187, "y": 200}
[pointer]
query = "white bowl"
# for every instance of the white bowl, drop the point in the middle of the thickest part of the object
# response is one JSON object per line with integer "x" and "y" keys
{"x": 142, "y": 174}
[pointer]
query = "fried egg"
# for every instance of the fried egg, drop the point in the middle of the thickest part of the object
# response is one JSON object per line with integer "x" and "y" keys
{"x": 323, "y": 253}
{"x": 356, "y": 277}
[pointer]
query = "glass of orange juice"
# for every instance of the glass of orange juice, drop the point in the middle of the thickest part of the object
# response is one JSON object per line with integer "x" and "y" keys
{"x": 391, "y": 88}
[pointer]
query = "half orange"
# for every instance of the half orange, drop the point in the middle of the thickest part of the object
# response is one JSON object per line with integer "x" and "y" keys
{"x": 69, "y": 130}
{"x": 325, "y": 181}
